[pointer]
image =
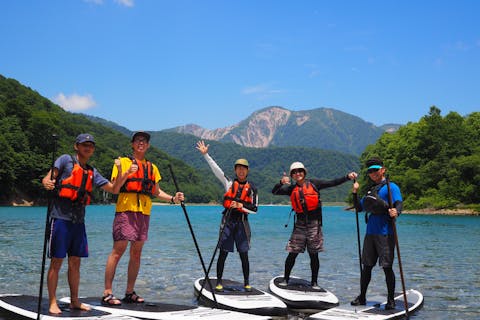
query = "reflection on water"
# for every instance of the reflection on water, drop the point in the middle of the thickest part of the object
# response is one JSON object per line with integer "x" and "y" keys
{"x": 439, "y": 253}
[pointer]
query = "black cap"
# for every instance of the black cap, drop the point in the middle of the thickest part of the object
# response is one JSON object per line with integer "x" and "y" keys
{"x": 374, "y": 163}
{"x": 84, "y": 137}
{"x": 141, "y": 133}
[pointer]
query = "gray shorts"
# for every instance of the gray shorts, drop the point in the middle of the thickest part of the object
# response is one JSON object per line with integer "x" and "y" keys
{"x": 378, "y": 247}
{"x": 305, "y": 235}
{"x": 131, "y": 226}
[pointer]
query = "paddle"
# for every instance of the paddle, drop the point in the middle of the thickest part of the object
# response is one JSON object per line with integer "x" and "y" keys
{"x": 192, "y": 233}
{"x": 355, "y": 201}
{"x": 390, "y": 205}
{"x": 47, "y": 229}
{"x": 226, "y": 217}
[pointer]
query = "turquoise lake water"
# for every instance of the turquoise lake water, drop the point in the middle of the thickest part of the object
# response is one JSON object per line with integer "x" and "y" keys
{"x": 440, "y": 256}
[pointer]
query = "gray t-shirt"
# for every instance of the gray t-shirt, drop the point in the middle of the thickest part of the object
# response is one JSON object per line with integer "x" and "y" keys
{"x": 63, "y": 208}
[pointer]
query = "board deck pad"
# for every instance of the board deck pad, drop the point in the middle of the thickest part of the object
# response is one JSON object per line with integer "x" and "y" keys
{"x": 164, "y": 311}
{"x": 374, "y": 309}
{"x": 27, "y": 306}
{"x": 297, "y": 284}
{"x": 229, "y": 288}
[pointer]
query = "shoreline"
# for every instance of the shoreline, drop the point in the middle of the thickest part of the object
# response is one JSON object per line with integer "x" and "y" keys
{"x": 446, "y": 212}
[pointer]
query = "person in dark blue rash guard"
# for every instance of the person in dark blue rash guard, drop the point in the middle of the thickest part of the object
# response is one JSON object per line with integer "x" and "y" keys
{"x": 379, "y": 242}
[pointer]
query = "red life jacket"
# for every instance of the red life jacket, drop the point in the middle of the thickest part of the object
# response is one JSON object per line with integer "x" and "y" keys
{"x": 305, "y": 198}
{"x": 142, "y": 181}
{"x": 237, "y": 192}
{"x": 78, "y": 186}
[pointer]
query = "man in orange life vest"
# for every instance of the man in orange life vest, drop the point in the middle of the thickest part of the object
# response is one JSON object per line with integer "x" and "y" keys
{"x": 132, "y": 215}
{"x": 307, "y": 232}
{"x": 240, "y": 199}
{"x": 73, "y": 180}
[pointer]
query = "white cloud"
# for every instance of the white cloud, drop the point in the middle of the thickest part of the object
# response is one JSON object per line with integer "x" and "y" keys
{"x": 261, "y": 91}
{"x": 126, "y": 3}
{"x": 74, "y": 102}
{"x": 97, "y": 2}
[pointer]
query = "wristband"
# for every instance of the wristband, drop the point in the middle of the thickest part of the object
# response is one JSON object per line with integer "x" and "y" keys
{"x": 171, "y": 200}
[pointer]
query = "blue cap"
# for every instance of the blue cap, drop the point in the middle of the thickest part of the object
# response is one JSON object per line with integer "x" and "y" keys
{"x": 375, "y": 166}
{"x": 84, "y": 137}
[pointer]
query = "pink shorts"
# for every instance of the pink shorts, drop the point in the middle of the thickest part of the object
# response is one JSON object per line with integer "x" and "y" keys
{"x": 131, "y": 226}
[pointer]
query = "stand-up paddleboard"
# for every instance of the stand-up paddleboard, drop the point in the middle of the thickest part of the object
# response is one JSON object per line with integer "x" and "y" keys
{"x": 235, "y": 297}
{"x": 299, "y": 295}
{"x": 26, "y": 307}
{"x": 374, "y": 310}
{"x": 164, "y": 311}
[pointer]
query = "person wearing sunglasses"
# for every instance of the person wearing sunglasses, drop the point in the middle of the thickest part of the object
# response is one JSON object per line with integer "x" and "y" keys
{"x": 379, "y": 242}
{"x": 307, "y": 232}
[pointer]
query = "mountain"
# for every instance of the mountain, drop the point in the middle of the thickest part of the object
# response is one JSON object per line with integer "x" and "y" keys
{"x": 321, "y": 128}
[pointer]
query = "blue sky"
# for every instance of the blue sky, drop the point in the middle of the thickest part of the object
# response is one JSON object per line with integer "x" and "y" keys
{"x": 152, "y": 64}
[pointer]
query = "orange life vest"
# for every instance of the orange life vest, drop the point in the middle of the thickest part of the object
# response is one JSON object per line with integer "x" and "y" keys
{"x": 141, "y": 181}
{"x": 305, "y": 198}
{"x": 78, "y": 186}
{"x": 237, "y": 192}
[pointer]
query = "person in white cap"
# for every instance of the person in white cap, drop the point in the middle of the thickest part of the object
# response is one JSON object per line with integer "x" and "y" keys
{"x": 239, "y": 201}
{"x": 73, "y": 180}
{"x": 307, "y": 232}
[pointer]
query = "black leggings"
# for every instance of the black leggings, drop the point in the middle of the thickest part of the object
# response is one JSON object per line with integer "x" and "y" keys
{"x": 367, "y": 276}
{"x": 245, "y": 265}
{"x": 314, "y": 265}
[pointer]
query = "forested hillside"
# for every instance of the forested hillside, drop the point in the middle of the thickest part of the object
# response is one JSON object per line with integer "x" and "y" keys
{"x": 267, "y": 164}
{"x": 436, "y": 161}
{"x": 27, "y": 123}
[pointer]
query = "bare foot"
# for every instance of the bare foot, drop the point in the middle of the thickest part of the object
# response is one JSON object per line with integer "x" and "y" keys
{"x": 54, "y": 309}
{"x": 80, "y": 306}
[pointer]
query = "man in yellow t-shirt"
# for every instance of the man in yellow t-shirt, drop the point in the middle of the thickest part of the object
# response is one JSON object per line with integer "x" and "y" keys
{"x": 132, "y": 215}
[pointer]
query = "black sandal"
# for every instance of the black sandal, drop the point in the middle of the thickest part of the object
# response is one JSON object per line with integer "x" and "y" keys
{"x": 110, "y": 300}
{"x": 133, "y": 298}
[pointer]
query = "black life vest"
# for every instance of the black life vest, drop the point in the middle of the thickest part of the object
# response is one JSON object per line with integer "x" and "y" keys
{"x": 373, "y": 203}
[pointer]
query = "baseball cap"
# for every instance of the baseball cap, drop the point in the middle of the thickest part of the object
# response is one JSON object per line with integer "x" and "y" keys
{"x": 84, "y": 137}
{"x": 241, "y": 162}
{"x": 373, "y": 164}
{"x": 141, "y": 133}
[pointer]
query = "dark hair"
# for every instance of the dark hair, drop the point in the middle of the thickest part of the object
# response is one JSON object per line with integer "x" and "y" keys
{"x": 374, "y": 161}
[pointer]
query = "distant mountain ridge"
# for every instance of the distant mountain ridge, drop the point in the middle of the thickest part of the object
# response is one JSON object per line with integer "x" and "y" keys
{"x": 322, "y": 128}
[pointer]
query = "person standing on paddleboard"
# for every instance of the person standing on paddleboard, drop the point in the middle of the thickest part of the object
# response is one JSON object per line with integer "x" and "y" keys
{"x": 72, "y": 179}
{"x": 132, "y": 215}
{"x": 307, "y": 232}
{"x": 240, "y": 199}
{"x": 379, "y": 242}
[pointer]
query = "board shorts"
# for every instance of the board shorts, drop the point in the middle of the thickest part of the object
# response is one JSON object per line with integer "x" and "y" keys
{"x": 378, "y": 247}
{"x": 67, "y": 238}
{"x": 130, "y": 226}
{"x": 237, "y": 232}
{"x": 307, "y": 235}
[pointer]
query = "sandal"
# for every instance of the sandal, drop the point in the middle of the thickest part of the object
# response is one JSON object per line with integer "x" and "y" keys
{"x": 110, "y": 300}
{"x": 133, "y": 298}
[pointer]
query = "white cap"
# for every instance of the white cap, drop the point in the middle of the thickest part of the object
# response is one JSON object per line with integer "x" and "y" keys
{"x": 297, "y": 165}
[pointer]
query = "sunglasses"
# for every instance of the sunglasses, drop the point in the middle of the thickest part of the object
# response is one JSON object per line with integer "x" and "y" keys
{"x": 372, "y": 170}
{"x": 295, "y": 171}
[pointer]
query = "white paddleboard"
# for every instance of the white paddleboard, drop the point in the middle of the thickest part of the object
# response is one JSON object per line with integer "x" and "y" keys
{"x": 300, "y": 296}
{"x": 374, "y": 310}
{"x": 23, "y": 306}
{"x": 235, "y": 297}
{"x": 164, "y": 311}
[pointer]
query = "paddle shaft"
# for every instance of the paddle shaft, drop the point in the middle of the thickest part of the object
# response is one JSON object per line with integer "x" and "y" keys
{"x": 46, "y": 233}
{"x": 191, "y": 232}
{"x": 355, "y": 201}
{"x": 394, "y": 226}
{"x": 226, "y": 216}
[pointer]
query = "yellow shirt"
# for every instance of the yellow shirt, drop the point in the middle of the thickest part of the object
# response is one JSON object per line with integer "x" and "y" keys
{"x": 135, "y": 202}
